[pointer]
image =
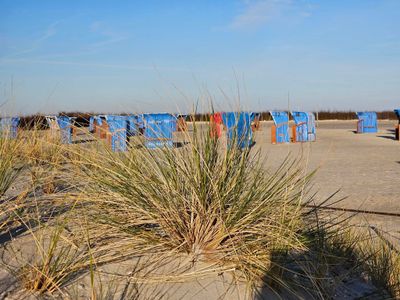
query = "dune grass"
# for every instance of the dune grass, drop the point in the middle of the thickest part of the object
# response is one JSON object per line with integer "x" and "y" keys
{"x": 9, "y": 163}
{"x": 208, "y": 201}
{"x": 43, "y": 154}
{"x": 381, "y": 260}
{"x": 217, "y": 204}
{"x": 10, "y": 168}
{"x": 57, "y": 258}
{"x": 31, "y": 166}
{"x": 56, "y": 252}
{"x": 32, "y": 162}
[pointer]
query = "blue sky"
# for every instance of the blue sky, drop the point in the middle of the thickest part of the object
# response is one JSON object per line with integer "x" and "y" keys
{"x": 141, "y": 56}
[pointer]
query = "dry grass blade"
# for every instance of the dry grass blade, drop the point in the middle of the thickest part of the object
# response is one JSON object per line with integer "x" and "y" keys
{"x": 60, "y": 255}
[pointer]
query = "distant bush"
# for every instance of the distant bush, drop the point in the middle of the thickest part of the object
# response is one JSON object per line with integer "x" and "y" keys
{"x": 351, "y": 115}
{"x": 33, "y": 121}
{"x": 39, "y": 121}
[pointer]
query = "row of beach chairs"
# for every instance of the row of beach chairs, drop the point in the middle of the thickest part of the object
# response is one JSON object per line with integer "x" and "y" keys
{"x": 157, "y": 129}
{"x": 304, "y": 129}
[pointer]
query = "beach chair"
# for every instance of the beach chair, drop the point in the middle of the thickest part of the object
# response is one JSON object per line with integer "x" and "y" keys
{"x": 132, "y": 126}
{"x": 238, "y": 128}
{"x": 367, "y": 122}
{"x": 101, "y": 126}
{"x": 215, "y": 125}
{"x": 65, "y": 125}
{"x": 256, "y": 123}
{"x": 280, "y": 129}
{"x": 158, "y": 130}
{"x": 9, "y": 127}
{"x": 397, "y": 128}
{"x": 98, "y": 126}
{"x": 304, "y": 129}
{"x": 92, "y": 124}
{"x": 116, "y": 135}
{"x": 53, "y": 126}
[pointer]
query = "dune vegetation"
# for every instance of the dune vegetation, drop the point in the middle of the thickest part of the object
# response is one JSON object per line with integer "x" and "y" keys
{"x": 138, "y": 224}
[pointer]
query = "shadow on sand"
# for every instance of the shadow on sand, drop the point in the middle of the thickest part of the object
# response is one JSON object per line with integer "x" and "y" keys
{"x": 17, "y": 230}
{"x": 301, "y": 275}
{"x": 39, "y": 212}
{"x": 387, "y": 137}
{"x": 180, "y": 144}
{"x": 83, "y": 141}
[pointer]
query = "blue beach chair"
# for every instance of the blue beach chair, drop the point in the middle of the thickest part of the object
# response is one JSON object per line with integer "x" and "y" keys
{"x": 304, "y": 129}
{"x": 367, "y": 122}
{"x": 280, "y": 129}
{"x": 158, "y": 129}
{"x": 238, "y": 128}
{"x": 9, "y": 127}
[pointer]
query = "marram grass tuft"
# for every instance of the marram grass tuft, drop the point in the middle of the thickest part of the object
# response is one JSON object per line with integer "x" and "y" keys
{"x": 206, "y": 200}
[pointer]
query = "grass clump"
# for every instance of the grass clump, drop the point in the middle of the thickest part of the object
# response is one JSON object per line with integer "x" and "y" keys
{"x": 10, "y": 166}
{"x": 54, "y": 254}
{"x": 53, "y": 266}
{"x": 31, "y": 166}
{"x": 342, "y": 256}
{"x": 205, "y": 200}
{"x": 43, "y": 155}
{"x": 381, "y": 261}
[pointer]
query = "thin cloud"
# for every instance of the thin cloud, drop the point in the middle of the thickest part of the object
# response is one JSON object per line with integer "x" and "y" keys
{"x": 50, "y": 31}
{"x": 259, "y": 12}
{"x": 95, "y": 65}
{"x": 109, "y": 36}
{"x": 109, "y": 41}
{"x": 105, "y": 35}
